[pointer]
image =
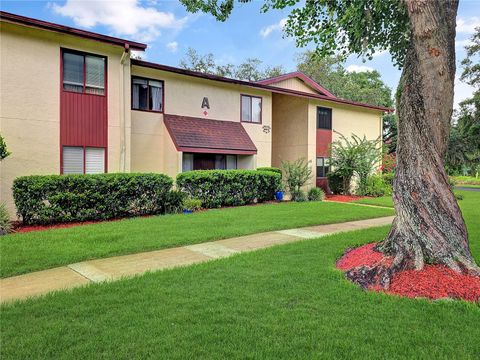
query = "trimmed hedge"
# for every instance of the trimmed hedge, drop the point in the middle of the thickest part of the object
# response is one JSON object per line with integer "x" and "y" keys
{"x": 218, "y": 188}
{"x": 66, "y": 198}
{"x": 273, "y": 169}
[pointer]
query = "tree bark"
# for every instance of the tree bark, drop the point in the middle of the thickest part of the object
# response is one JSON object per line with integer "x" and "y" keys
{"x": 428, "y": 227}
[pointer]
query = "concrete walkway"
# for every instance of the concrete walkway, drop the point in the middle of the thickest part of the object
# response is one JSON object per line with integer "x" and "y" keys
{"x": 108, "y": 269}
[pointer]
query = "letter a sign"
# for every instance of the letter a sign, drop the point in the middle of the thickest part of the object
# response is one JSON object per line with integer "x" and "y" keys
{"x": 205, "y": 103}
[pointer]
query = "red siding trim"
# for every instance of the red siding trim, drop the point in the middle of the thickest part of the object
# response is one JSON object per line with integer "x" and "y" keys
{"x": 324, "y": 140}
{"x": 83, "y": 117}
{"x": 45, "y": 25}
{"x": 272, "y": 89}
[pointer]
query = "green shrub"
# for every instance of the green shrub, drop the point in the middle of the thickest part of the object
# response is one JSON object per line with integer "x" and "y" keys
{"x": 375, "y": 186}
{"x": 192, "y": 204}
{"x": 316, "y": 194}
{"x": 216, "y": 188}
{"x": 465, "y": 180}
{"x": 296, "y": 174}
{"x": 299, "y": 196}
{"x": 174, "y": 201}
{"x": 458, "y": 196}
{"x": 3, "y": 149}
{"x": 336, "y": 182}
{"x": 388, "y": 177}
{"x": 5, "y": 225}
{"x": 273, "y": 169}
{"x": 66, "y": 198}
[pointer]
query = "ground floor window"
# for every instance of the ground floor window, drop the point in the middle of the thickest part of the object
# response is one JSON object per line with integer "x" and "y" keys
{"x": 83, "y": 160}
{"x": 208, "y": 162}
{"x": 323, "y": 166}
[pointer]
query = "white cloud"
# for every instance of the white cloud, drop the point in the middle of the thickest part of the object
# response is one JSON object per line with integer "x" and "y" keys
{"x": 274, "y": 27}
{"x": 359, "y": 68}
{"x": 122, "y": 17}
{"x": 463, "y": 43}
{"x": 462, "y": 92}
{"x": 172, "y": 46}
{"x": 467, "y": 25}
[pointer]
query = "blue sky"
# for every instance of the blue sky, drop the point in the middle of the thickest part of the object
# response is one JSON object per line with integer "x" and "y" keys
{"x": 169, "y": 30}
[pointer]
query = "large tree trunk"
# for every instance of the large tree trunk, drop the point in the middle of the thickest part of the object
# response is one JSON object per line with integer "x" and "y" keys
{"x": 428, "y": 227}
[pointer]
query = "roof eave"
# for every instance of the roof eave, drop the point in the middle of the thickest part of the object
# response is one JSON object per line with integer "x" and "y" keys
{"x": 45, "y": 25}
{"x": 256, "y": 85}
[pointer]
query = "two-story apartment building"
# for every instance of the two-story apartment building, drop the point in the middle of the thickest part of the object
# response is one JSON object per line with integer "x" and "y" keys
{"x": 73, "y": 101}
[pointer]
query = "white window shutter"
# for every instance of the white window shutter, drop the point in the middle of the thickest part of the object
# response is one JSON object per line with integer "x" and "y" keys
{"x": 72, "y": 160}
{"x": 94, "y": 160}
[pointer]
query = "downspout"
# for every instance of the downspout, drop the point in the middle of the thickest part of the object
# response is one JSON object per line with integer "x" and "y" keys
{"x": 123, "y": 110}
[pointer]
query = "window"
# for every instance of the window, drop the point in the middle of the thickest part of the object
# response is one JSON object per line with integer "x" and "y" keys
{"x": 231, "y": 162}
{"x": 208, "y": 162}
{"x": 83, "y": 160}
{"x": 251, "y": 109}
{"x": 147, "y": 94}
{"x": 83, "y": 73}
{"x": 324, "y": 118}
{"x": 323, "y": 166}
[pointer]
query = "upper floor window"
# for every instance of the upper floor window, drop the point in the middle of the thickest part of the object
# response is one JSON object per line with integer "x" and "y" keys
{"x": 83, "y": 73}
{"x": 251, "y": 109}
{"x": 324, "y": 118}
{"x": 147, "y": 94}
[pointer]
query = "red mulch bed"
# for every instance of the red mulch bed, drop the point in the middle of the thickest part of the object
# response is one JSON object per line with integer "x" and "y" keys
{"x": 432, "y": 282}
{"x": 345, "y": 198}
{"x": 19, "y": 228}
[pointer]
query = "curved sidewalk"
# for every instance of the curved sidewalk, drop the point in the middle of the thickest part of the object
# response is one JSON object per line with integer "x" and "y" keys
{"x": 114, "y": 268}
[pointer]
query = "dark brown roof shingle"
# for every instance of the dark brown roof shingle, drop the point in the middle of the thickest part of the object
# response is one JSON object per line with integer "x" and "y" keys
{"x": 191, "y": 134}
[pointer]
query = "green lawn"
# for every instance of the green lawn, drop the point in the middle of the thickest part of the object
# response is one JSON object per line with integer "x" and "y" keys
{"x": 380, "y": 201}
{"x": 286, "y": 302}
{"x": 27, "y": 252}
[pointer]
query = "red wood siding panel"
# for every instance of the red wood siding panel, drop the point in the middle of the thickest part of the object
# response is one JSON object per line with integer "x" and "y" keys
{"x": 323, "y": 183}
{"x": 324, "y": 139}
{"x": 83, "y": 119}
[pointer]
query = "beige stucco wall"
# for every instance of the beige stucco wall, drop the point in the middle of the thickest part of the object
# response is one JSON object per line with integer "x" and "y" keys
{"x": 183, "y": 96}
{"x": 295, "y": 84}
{"x": 295, "y": 123}
{"x": 291, "y": 135}
{"x": 30, "y": 101}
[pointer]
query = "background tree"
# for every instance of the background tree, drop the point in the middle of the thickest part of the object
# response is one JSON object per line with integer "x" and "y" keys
{"x": 463, "y": 156}
{"x": 249, "y": 70}
{"x": 420, "y": 36}
{"x": 330, "y": 72}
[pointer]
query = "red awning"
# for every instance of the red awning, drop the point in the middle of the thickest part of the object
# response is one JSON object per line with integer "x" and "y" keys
{"x": 197, "y": 135}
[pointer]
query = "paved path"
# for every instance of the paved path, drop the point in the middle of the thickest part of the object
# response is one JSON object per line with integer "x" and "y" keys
{"x": 108, "y": 269}
{"x": 466, "y": 188}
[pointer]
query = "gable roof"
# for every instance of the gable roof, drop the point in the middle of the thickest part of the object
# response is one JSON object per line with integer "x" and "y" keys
{"x": 45, "y": 25}
{"x": 273, "y": 89}
{"x": 199, "y": 135}
{"x": 298, "y": 75}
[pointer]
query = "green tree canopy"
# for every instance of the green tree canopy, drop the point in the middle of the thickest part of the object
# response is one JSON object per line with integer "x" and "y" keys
{"x": 330, "y": 72}
{"x": 249, "y": 70}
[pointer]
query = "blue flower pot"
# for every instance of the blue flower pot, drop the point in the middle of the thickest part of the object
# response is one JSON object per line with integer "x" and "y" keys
{"x": 279, "y": 195}
{"x": 186, "y": 211}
